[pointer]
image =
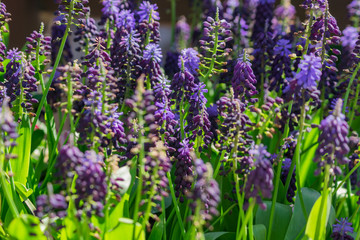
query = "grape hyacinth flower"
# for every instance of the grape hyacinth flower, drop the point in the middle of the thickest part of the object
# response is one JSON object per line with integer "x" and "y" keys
{"x": 333, "y": 141}
{"x": 183, "y": 169}
{"x": 182, "y": 86}
{"x": 126, "y": 19}
{"x": 86, "y": 34}
{"x": 147, "y": 10}
{"x": 309, "y": 75}
{"x": 354, "y": 8}
{"x": 260, "y": 180}
{"x": 110, "y": 10}
{"x": 36, "y": 40}
{"x": 54, "y": 205}
{"x": 349, "y": 38}
{"x": 91, "y": 185}
{"x": 182, "y": 33}
{"x": 152, "y": 57}
{"x": 205, "y": 195}
{"x": 281, "y": 64}
{"x": 263, "y": 17}
{"x": 5, "y": 17}
{"x": 342, "y": 229}
{"x": 244, "y": 80}
{"x": 191, "y": 60}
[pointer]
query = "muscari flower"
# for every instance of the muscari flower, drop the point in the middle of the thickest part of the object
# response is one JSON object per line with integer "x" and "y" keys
{"x": 284, "y": 174}
{"x": 4, "y": 16}
{"x": 54, "y": 205}
{"x": 126, "y": 19}
{"x": 152, "y": 57}
{"x": 354, "y": 8}
{"x": 281, "y": 64}
{"x": 263, "y": 17}
{"x": 310, "y": 72}
{"x": 349, "y": 38}
{"x": 57, "y": 33}
{"x": 146, "y": 9}
{"x": 171, "y": 63}
{"x": 44, "y": 43}
{"x": 7, "y": 126}
{"x": 110, "y": 10}
{"x": 342, "y": 229}
{"x": 243, "y": 80}
{"x": 191, "y": 60}
{"x": 206, "y": 190}
{"x": 260, "y": 180}
{"x": 333, "y": 141}
{"x": 183, "y": 169}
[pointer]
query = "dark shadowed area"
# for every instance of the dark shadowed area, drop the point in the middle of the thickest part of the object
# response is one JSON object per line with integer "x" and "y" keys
{"x": 27, "y": 14}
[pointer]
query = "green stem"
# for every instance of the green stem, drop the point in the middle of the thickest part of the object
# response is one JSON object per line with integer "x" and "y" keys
{"x": 247, "y": 217}
{"x": 319, "y": 230}
{"x": 349, "y": 87}
{"x": 352, "y": 114}
{"x": 276, "y": 189}
{"x": 164, "y": 217}
{"x": 4, "y": 183}
{"x": 347, "y": 177}
{"x": 297, "y": 161}
{"x": 221, "y": 217}
{"x": 57, "y": 61}
{"x": 176, "y": 206}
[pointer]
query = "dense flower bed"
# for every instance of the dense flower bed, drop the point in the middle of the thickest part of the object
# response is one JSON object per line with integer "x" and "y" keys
{"x": 247, "y": 128}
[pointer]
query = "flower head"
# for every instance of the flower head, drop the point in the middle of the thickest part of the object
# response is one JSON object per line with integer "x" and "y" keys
{"x": 152, "y": 52}
{"x": 310, "y": 72}
{"x": 147, "y": 10}
{"x": 342, "y": 229}
{"x": 191, "y": 60}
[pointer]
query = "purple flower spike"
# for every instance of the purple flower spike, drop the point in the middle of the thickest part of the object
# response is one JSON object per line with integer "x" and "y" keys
{"x": 260, "y": 180}
{"x": 152, "y": 52}
{"x": 349, "y": 38}
{"x": 147, "y": 10}
{"x": 310, "y": 72}
{"x": 333, "y": 141}
{"x": 125, "y": 19}
{"x": 191, "y": 60}
{"x": 342, "y": 229}
{"x": 244, "y": 80}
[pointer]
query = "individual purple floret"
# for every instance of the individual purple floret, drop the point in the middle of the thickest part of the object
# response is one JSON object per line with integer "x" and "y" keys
{"x": 342, "y": 230}
{"x": 54, "y": 206}
{"x": 8, "y": 126}
{"x": 260, "y": 180}
{"x": 147, "y": 10}
{"x": 333, "y": 141}
{"x": 183, "y": 169}
{"x": 191, "y": 60}
{"x": 244, "y": 80}
{"x": 281, "y": 64}
{"x": 205, "y": 192}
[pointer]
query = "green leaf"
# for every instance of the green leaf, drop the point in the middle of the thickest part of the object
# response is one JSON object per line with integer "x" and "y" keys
{"x": 298, "y": 221}
{"x": 36, "y": 139}
{"x": 259, "y": 232}
{"x": 312, "y": 224}
{"x": 308, "y": 148}
{"x": 219, "y": 235}
{"x": 20, "y": 165}
{"x": 23, "y": 191}
{"x": 157, "y": 230}
{"x": 124, "y": 229}
{"x": 26, "y": 227}
{"x": 117, "y": 212}
{"x": 281, "y": 220}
